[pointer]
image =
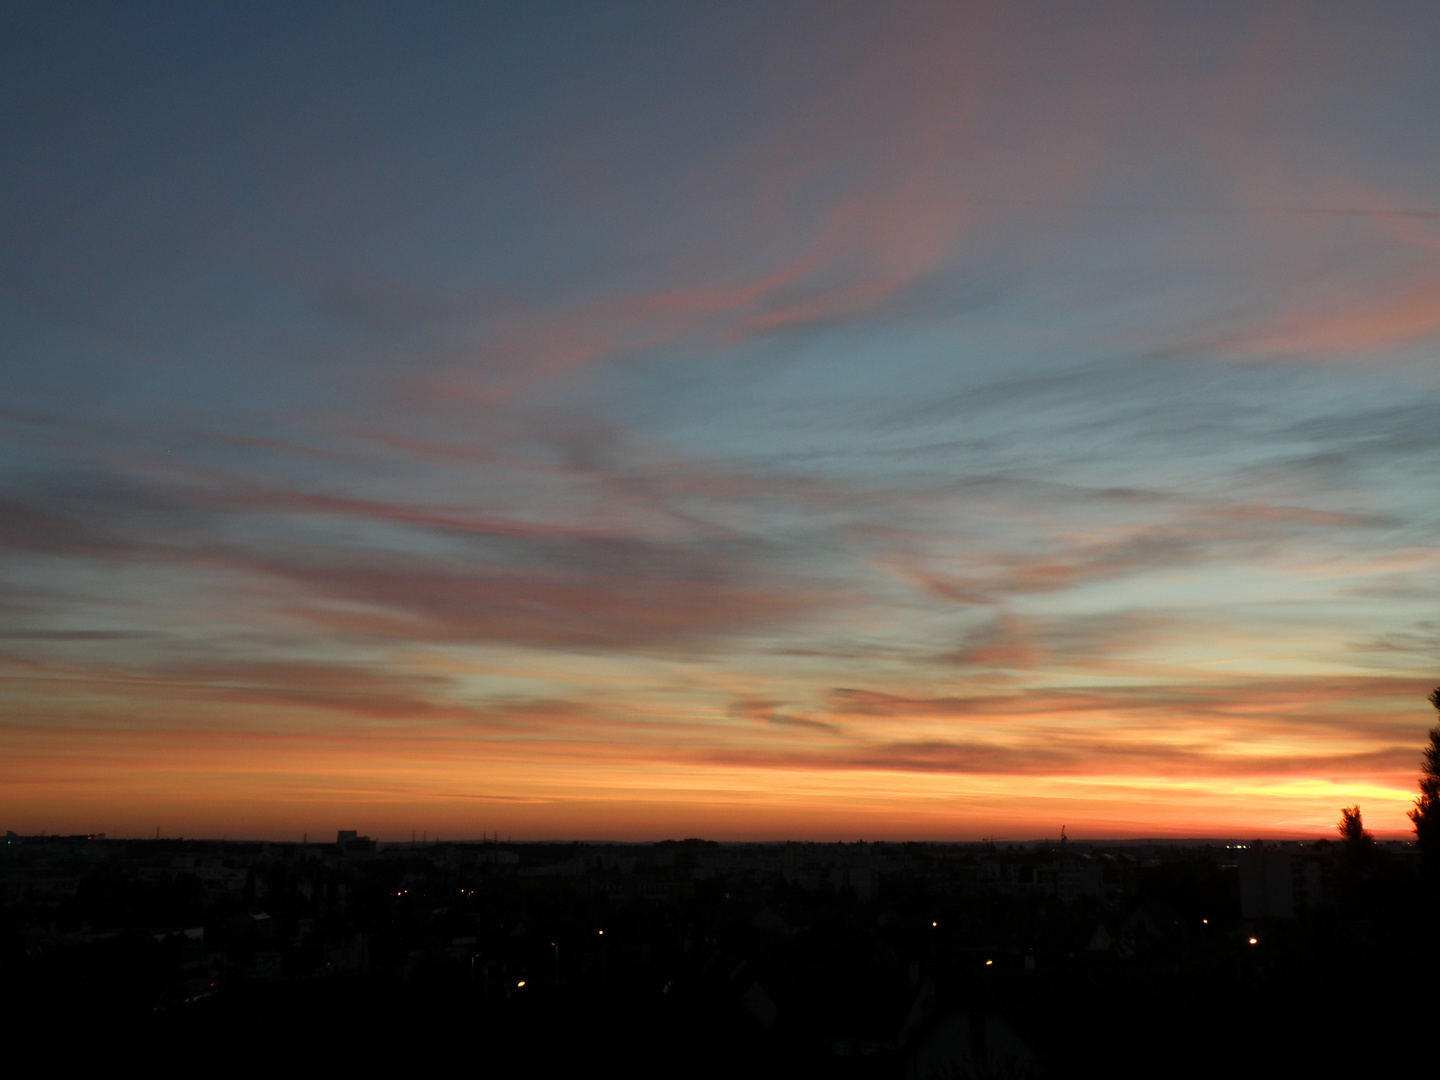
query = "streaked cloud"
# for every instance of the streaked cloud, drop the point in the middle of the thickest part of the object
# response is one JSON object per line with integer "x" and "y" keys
{"x": 696, "y": 418}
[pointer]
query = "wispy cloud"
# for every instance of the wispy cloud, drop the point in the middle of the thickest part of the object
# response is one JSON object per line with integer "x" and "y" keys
{"x": 715, "y": 414}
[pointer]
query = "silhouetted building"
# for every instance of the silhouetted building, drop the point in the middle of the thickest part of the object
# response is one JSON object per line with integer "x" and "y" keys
{"x": 1267, "y": 889}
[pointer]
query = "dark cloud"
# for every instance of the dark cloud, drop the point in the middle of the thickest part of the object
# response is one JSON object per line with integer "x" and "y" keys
{"x": 75, "y": 635}
{"x": 502, "y": 579}
{"x": 774, "y": 714}
{"x": 1261, "y": 704}
{"x": 1007, "y": 640}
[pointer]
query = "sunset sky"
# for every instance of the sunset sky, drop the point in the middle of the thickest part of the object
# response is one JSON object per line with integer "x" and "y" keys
{"x": 739, "y": 420}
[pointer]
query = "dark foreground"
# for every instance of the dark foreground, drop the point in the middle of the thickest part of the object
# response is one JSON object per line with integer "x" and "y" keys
{"x": 911, "y": 960}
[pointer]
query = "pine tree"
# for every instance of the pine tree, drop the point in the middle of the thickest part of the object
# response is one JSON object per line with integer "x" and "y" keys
{"x": 1426, "y": 814}
{"x": 1352, "y": 829}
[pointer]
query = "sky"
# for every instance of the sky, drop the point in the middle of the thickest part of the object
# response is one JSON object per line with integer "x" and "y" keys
{"x": 749, "y": 421}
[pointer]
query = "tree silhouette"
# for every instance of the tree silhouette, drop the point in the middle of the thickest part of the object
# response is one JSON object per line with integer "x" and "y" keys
{"x": 1426, "y": 813}
{"x": 1352, "y": 830}
{"x": 1360, "y": 860}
